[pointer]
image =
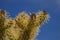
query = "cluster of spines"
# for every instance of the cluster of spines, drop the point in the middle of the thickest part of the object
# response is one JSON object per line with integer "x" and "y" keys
{"x": 23, "y": 27}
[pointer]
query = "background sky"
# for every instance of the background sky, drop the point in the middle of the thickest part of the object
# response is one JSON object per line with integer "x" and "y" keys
{"x": 50, "y": 30}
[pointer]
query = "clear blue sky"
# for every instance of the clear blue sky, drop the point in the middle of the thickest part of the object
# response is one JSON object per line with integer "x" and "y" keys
{"x": 50, "y": 31}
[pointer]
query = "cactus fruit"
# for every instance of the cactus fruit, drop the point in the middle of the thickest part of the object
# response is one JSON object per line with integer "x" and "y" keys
{"x": 23, "y": 27}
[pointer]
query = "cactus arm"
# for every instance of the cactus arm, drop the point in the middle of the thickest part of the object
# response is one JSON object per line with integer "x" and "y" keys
{"x": 26, "y": 33}
{"x": 40, "y": 19}
{"x": 33, "y": 26}
{"x": 22, "y": 20}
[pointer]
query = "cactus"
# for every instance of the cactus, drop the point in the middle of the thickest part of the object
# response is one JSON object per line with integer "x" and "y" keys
{"x": 22, "y": 27}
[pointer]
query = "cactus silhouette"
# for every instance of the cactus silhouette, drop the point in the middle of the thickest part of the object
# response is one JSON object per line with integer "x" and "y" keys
{"x": 22, "y": 27}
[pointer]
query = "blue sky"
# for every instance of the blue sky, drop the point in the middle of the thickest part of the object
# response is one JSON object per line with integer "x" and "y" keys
{"x": 50, "y": 30}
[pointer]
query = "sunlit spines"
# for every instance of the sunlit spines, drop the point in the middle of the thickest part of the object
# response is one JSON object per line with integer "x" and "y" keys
{"x": 22, "y": 19}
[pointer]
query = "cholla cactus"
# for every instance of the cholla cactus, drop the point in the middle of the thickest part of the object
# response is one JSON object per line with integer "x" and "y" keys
{"x": 23, "y": 27}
